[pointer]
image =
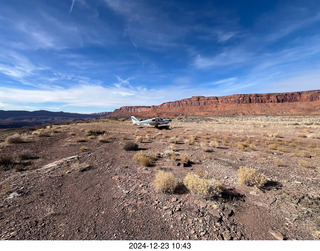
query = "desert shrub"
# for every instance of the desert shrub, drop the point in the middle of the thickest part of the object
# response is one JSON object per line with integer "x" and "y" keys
{"x": 278, "y": 162}
{"x": 305, "y": 163}
{"x": 273, "y": 134}
{"x": 124, "y": 137}
{"x": 94, "y": 132}
{"x": 304, "y": 153}
{"x": 26, "y": 155}
{"x": 188, "y": 142}
{"x": 192, "y": 139}
{"x": 174, "y": 156}
{"x": 6, "y": 162}
{"x": 242, "y": 146}
{"x": 175, "y": 140}
{"x": 214, "y": 143}
{"x": 14, "y": 139}
{"x": 131, "y": 146}
{"x": 273, "y": 146}
{"x": 139, "y": 139}
{"x": 251, "y": 177}
{"x": 103, "y": 139}
{"x": 165, "y": 182}
{"x": 184, "y": 159}
{"x": 80, "y": 140}
{"x": 302, "y": 135}
{"x": 72, "y": 134}
{"x": 143, "y": 159}
{"x": 19, "y": 168}
{"x": 83, "y": 148}
{"x": 205, "y": 147}
{"x": 44, "y": 133}
{"x": 168, "y": 152}
{"x": 205, "y": 188}
{"x": 149, "y": 138}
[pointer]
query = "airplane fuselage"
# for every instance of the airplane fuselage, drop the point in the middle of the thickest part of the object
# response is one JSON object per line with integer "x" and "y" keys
{"x": 150, "y": 122}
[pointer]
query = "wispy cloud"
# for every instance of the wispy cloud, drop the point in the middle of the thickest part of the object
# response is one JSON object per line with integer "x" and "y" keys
{"x": 231, "y": 56}
{"x": 17, "y": 66}
{"x": 71, "y": 8}
{"x": 225, "y": 81}
{"x": 91, "y": 96}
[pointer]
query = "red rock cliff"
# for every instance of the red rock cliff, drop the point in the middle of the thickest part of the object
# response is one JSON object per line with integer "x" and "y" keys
{"x": 293, "y": 103}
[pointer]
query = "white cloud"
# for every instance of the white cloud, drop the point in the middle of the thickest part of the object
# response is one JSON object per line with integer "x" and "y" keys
{"x": 16, "y": 65}
{"x": 230, "y": 56}
{"x": 71, "y": 8}
{"x": 304, "y": 81}
{"x": 225, "y": 81}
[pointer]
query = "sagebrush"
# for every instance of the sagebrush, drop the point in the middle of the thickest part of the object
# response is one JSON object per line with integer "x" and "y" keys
{"x": 251, "y": 177}
{"x": 165, "y": 182}
{"x": 206, "y": 188}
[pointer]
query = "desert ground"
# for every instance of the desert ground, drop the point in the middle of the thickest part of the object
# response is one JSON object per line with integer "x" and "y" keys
{"x": 84, "y": 181}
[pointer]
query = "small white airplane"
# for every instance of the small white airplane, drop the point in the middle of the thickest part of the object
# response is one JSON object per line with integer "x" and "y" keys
{"x": 150, "y": 122}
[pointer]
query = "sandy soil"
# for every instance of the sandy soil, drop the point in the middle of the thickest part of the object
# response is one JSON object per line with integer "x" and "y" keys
{"x": 95, "y": 190}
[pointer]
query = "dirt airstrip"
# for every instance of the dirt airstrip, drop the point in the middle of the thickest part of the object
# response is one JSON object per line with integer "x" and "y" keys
{"x": 76, "y": 182}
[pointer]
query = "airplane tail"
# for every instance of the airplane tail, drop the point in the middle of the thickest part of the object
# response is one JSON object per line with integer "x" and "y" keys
{"x": 135, "y": 121}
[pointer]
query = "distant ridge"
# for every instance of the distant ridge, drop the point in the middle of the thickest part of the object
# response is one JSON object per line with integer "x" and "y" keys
{"x": 288, "y": 103}
{"x": 10, "y": 119}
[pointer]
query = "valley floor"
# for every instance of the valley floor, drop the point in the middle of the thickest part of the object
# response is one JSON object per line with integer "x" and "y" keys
{"x": 76, "y": 182}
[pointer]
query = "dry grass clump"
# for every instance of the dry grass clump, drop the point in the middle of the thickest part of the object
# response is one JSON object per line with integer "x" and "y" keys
{"x": 44, "y": 133}
{"x": 192, "y": 139}
{"x": 103, "y": 139}
{"x": 276, "y": 146}
{"x": 6, "y": 162}
{"x": 80, "y": 140}
{"x": 205, "y": 147}
{"x": 170, "y": 153}
{"x": 175, "y": 140}
{"x": 302, "y": 135}
{"x": 139, "y": 139}
{"x": 94, "y": 132}
{"x": 304, "y": 153}
{"x": 184, "y": 159}
{"x": 143, "y": 159}
{"x": 124, "y": 137}
{"x": 4, "y": 189}
{"x": 72, "y": 134}
{"x": 131, "y": 146}
{"x": 251, "y": 177}
{"x": 83, "y": 148}
{"x": 14, "y": 139}
{"x": 205, "y": 188}
{"x": 274, "y": 135}
{"x": 165, "y": 182}
{"x": 242, "y": 146}
{"x": 149, "y": 138}
{"x": 25, "y": 155}
{"x": 305, "y": 163}
{"x": 278, "y": 162}
{"x": 214, "y": 143}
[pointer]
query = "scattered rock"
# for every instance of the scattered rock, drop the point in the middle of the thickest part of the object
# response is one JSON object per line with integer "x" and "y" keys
{"x": 214, "y": 212}
{"x": 13, "y": 195}
{"x": 59, "y": 163}
{"x": 203, "y": 233}
{"x": 226, "y": 236}
{"x": 84, "y": 167}
{"x": 276, "y": 235}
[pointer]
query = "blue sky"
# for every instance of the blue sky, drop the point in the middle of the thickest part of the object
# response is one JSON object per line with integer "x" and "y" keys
{"x": 97, "y": 55}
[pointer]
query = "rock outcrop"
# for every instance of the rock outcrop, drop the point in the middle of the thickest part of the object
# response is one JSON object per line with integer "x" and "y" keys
{"x": 293, "y": 103}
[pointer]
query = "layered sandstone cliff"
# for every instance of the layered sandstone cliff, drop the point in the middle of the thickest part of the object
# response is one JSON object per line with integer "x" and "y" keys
{"x": 293, "y": 103}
